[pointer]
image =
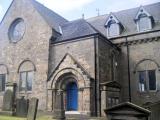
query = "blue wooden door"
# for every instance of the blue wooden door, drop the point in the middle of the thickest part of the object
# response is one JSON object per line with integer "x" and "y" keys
{"x": 72, "y": 96}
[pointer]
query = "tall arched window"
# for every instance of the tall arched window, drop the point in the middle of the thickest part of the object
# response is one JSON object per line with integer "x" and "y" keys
{"x": 26, "y": 73}
{"x": 3, "y": 77}
{"x": 147, "y": 72}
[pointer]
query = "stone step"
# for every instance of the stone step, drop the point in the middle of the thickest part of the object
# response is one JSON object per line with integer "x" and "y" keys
{"x": 90, "y": 118}
{"x": 73, "y": 115}
{"x": 82, "y": 117}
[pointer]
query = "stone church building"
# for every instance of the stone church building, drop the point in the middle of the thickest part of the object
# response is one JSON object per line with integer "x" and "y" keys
{"x": 98, "y": 62}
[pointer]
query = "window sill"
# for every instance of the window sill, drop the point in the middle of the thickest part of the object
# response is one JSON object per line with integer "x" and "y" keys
{"x": 147, "y": 92}
{"x": 25, "y": 92}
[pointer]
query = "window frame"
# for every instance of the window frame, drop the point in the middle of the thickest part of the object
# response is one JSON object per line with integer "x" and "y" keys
{"x": 149, "y": 23}
{"x": 147, "y": 80}
{"x": 25, "y": 90}
{"x": 145, "y": 90}
{"x": 4, "y": 83}
{"x": 110, "y": 23}
{"x": 155, "y": 81}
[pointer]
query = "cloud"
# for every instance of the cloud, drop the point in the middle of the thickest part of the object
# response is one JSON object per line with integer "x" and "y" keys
{"x": 144, "y": 2}
{"x": 63, "y": 6}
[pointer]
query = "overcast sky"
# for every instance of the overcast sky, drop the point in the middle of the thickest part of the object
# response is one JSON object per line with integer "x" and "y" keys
{"x": 73, "y": 9}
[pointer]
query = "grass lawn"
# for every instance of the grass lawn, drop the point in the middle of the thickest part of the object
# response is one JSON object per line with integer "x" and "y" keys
{"x": 18, "y": 118}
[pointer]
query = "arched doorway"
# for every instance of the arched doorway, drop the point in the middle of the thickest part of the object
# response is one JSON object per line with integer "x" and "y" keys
{"x": 72, "y": 96}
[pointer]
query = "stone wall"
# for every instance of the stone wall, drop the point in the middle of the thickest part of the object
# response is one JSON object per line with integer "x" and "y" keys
{"x": 139, "y": 52}
{"x": 33, "y": 46}
{"x": 107, "y": 53}
{"x": 74, "y": 58}
{"x": 81, "y": 50}
{"x": 143, "y": 48}
{"x": 123, "y": 73}
{"x": 107, "y": 58}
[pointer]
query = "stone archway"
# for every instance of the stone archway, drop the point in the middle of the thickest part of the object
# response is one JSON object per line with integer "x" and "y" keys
{"x": 67, "y": 71}
{"x": 68, "y": 76}
{"x": 68, "y": 83}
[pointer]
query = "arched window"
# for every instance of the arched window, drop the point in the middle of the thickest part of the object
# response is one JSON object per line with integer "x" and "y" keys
{"x": 147, "y": 72}
{"x": 143, "y": 20}
{"x": 26, "y": 72}
{"x": 3, "y": 77}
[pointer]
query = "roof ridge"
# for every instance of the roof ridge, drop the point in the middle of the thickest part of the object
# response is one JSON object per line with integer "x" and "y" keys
{"x": 68, "y": 22}
{"x": 96, "y": 16}
{"x": 122, "y": 10}
{"x": 81, "y": 19}
{"x": 52, "y": 18}
{"x": 136, "y": 7}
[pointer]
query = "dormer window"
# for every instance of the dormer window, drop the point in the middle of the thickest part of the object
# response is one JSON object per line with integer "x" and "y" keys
{"x": 144, "y": 23}
{"x": 113, "y": 29}
{"x": 113, "y": 26}
{"x": 143, "y": 20}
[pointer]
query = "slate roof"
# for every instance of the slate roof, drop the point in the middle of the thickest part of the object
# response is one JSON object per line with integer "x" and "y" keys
{"x": 75, "y": 29}
{"x": 80, "y": 28}
{"x": 52, "y": 18}
{"x": 126, "y": 18}
{"x": 69, "y": 29}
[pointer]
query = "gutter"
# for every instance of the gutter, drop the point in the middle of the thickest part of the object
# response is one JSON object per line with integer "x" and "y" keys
{"x": 140, "y": 33}
{"x": 90, "y": 35}
{"x": 97, "y": 82}
{"x": 95, "y": 89}
{"x": 128, "y": 66}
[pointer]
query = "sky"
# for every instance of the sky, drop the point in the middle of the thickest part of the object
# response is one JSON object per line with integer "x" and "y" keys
{"x": 73, "y": 9}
